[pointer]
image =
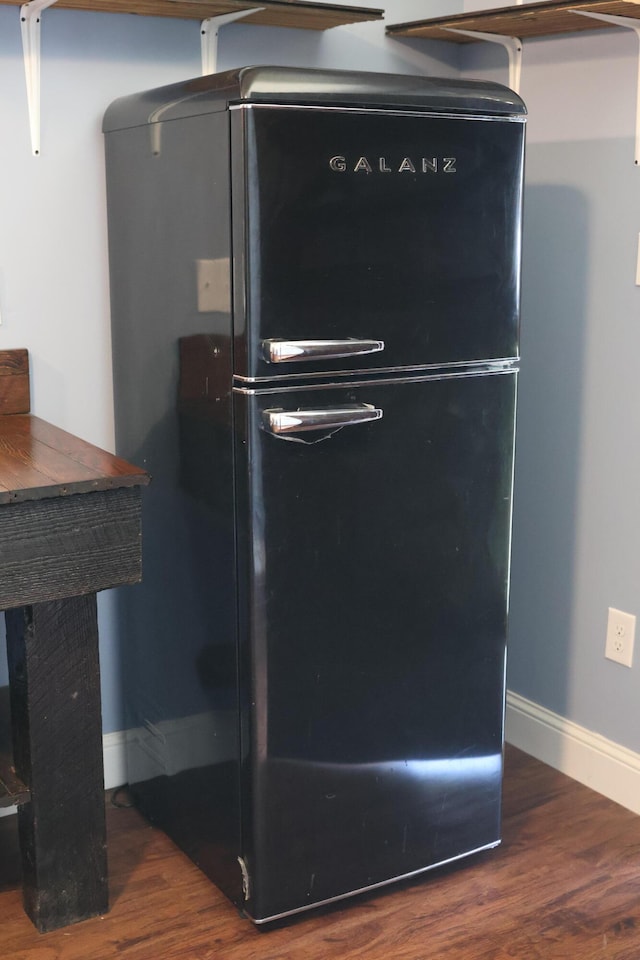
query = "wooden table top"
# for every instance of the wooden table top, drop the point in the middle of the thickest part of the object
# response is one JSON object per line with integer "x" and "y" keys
{"x": 38, "y": 460}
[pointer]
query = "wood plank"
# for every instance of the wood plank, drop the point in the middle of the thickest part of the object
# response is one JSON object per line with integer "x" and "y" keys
{"x": 14, "y": 381}
{"x": 12, "y": 789}
{"x": 14, "y": 363}
{"x": 59, "y": 547}
{"x": 57, "y": 746}
{"x": 276, "y": 13}
{"x": 39, "y": 460}
{"x": 525, "y": 21}
{"x": 103, "y": 464}
{"x": 16, "y": 475}
{"x": 33, "y": 463}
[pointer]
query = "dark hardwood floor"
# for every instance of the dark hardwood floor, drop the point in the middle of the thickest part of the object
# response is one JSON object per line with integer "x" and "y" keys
{"x": 564, "y": 885}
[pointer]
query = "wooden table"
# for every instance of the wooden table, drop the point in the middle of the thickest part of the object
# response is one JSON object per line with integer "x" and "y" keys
{"x": 70, "y": 525}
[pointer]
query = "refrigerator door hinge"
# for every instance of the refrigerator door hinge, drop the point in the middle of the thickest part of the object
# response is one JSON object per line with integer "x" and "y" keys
{"x": 246, "y": 883}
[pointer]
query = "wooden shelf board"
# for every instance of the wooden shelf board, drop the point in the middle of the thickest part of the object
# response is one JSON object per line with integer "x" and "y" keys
{"x": 526, "y": 21}
{"x": 277, "y": 13}
{"x": 12, "y": 790}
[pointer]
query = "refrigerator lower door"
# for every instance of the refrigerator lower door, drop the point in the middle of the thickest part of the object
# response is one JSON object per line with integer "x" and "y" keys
{"x": 373, "y": 583}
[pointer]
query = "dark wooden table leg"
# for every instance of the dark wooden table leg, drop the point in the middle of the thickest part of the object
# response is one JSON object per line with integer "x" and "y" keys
{"x": 57, "y": 741}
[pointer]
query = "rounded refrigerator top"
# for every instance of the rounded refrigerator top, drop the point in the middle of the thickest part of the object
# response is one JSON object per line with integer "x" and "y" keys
{"x": 295, "y": 85}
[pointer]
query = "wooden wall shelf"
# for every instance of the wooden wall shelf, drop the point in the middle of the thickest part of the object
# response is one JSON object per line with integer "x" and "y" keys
{"x": 212, "y": 14}
{"x": 276, "y": 13}
{"x": 525, "y": 21}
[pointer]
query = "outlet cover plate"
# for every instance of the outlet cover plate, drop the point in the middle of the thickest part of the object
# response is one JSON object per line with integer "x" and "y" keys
{"x": 621, "y": 628}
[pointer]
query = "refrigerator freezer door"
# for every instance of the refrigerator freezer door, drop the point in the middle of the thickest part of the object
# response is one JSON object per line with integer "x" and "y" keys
{"x": 355, "y": 225}
{"x": 373, "y": 579}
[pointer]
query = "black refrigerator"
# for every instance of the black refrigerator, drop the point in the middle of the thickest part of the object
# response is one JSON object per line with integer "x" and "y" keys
{"x": 315, "y": 296}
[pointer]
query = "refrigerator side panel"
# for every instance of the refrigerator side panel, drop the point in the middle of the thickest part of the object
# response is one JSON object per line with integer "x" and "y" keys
{"x": 242, "y": 227}
{"x": 169, "y": 241}
{"x": 374, "y": 575}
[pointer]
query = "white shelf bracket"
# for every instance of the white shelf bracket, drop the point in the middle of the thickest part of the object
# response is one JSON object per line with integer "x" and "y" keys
{"x": 631, "y": 24}
{"x": 30, "y": 28}
{"x": 513, "y": 46}
{"x": 209, "y": 37}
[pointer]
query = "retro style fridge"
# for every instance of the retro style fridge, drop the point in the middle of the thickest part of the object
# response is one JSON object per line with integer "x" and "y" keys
{"x": 315, "y": 288}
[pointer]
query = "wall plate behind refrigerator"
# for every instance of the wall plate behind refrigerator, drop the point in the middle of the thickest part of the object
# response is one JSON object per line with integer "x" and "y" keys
{"x": 213, "y": 278}
{"x": 621, "y": 629}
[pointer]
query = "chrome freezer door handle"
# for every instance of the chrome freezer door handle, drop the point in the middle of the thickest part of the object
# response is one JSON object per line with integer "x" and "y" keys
{"x": 290, "y": 351}
{"x": 281, "y": 422}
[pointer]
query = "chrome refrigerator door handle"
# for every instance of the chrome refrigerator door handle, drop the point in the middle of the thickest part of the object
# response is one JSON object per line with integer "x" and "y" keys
{"x": 290, "y": 351}
{"x": 281, "y": 422}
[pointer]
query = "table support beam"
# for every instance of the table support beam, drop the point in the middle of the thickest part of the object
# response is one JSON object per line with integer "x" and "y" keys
{"x": 57, "y": 745}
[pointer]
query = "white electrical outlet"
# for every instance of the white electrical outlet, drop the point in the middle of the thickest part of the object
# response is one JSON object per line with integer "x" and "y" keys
{"x": 621, "y": 629}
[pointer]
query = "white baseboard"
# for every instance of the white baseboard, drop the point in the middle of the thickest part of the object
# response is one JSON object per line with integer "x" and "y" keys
{"x": 585, "y": 756}
{"x": 169, "y": 747}
{"x": 115, "y": 759}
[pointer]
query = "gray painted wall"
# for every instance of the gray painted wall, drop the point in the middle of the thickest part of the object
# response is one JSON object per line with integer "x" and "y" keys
{"x": 53, "y": 259}
{"x": 577, "y": 517}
